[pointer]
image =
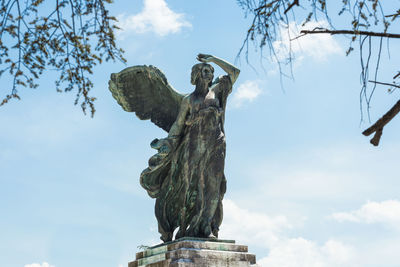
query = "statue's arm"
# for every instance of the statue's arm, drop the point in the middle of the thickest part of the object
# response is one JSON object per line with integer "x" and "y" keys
{"x": 177, "y": 127}
{"x": 230, "y": 69}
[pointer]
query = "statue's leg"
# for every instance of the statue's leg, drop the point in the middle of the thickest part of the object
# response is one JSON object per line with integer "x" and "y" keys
{"x": 182, "y": 226}
{"x": 212, "y": 192}
{"x": 165, "y": 236}
{"x": 163, "y": 225}
{"x": 218, "y": 216}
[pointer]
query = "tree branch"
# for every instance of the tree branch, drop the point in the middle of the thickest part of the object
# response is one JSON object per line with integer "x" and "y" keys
{"x": 265, "y": 6}
{"x": 333, "y": 32}
{"x": 379, "y": 124}
{"x": 390, "y": 84}
{"x": 295, "y": 2}
{"x": 61, "y": 38}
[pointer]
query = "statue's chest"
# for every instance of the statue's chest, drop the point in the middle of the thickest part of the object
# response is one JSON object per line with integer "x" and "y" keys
{"x": 210, "y": 100}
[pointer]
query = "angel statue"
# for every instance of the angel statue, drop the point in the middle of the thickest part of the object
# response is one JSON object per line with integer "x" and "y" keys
{"x": 186, "y": 176}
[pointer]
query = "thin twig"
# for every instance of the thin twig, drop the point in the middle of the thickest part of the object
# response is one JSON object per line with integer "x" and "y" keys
{"x": 390, "y": 84}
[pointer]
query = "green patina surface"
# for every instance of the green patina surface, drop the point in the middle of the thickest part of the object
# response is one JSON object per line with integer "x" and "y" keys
{"x": 186, "y": 175}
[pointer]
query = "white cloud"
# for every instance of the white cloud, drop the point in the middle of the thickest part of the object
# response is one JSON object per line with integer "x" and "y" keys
{"x": 156, "y": 16}
{"x": 299, "y": 252}
{"x": 246, "y": 92}
{"x": 336, "y": 175}
{"x": 270, "y": 232}
{"x": 385, "y": 212}
{"x": 315, "y": 46}
{"x": 322, "y": 174}
{"x": 44, "y": 264}
{"x": 251, "y": 227}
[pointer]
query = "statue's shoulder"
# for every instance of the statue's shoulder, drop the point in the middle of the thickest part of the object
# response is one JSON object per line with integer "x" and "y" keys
{"x": 186, "y": 100}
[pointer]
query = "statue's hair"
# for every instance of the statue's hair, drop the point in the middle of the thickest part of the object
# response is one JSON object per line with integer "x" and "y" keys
{"x": 196, "y": 72}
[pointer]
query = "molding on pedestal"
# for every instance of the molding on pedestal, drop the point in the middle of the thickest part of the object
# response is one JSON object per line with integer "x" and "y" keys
{"x": 189, "y": 251}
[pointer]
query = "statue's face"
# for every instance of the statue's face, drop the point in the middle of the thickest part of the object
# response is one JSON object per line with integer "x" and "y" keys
{"x": 207, "y": 74}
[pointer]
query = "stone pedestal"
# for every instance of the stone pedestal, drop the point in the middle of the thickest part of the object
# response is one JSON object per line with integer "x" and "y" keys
{"x": 190, "y": 251}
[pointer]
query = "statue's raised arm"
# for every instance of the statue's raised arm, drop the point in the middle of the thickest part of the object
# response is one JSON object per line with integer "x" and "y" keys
{"x": 230, "y": 69}
{"x": 186, "y": 175}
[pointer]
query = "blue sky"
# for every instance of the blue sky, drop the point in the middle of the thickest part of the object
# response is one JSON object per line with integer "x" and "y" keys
{"x": 305, "y": 188}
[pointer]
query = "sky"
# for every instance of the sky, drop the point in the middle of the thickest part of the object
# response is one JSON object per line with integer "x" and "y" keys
{"x": 305, "y": 187}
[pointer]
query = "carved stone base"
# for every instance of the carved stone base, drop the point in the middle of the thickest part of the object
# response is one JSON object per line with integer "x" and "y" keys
{"x": 190, "y": 251}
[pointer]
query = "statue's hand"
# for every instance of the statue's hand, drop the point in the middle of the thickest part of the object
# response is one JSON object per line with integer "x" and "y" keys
{"x": 164, "y": 146}
{"x": 204, "y": 58}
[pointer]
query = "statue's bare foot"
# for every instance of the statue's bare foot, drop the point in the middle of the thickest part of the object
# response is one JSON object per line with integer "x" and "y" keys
{"x": 212, "y": 236}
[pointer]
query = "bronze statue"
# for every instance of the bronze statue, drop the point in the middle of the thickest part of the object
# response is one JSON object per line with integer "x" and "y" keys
{"x": 186, "y": 176}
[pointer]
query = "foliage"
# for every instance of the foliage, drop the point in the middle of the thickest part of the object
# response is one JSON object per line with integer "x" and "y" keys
{"x": 366, "y": 19}
{"x": 69, "y": 36}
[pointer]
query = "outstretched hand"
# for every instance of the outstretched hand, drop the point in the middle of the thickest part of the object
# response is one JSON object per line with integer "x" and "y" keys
{"x": 204, "y": 58}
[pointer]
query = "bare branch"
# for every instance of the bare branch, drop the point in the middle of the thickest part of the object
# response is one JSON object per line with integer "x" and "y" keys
{"x": 377, "y": 128}
{"x": 381, "y": 83}
{"x": 334, "y": 32}
{"x": 366, "y": 19}
{"x": 295, "y": 2}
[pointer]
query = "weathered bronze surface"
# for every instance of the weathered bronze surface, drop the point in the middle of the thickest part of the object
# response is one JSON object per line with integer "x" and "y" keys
{"x": 186, "y": 176}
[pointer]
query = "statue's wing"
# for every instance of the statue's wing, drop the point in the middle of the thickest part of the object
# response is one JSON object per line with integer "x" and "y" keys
{"x": 145, "y": 91}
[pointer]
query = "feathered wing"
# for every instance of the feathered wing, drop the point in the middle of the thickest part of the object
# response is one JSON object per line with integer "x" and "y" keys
{"x": 145, "y": 91}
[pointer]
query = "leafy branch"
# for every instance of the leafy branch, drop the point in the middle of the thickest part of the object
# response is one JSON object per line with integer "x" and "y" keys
{"x": 72, "y": 38}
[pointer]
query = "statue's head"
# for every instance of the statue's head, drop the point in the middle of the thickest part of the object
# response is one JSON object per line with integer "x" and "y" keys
{"x": 202, "y": 71}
